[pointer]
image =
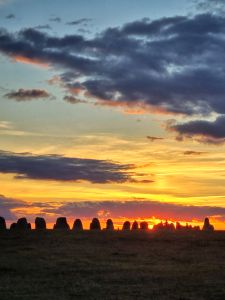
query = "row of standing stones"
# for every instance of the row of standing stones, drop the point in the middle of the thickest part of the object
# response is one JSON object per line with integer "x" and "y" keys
{"x": 61, "y": 223}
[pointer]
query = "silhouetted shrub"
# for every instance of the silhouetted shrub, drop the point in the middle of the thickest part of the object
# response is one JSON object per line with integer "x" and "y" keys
{"x": 22, "y": 224}
{"x": 126, "y": 226}
{"x": 134, "y": 226}
{"x": 109, "y": 225}
{"x": 77, "y": 225}
{"x": 40, "y": 223}
{"x": 61, "y": 223}
{"x": 207, "y": 226}
{"x": 95, "y": 224}
{"x": 144, "y": 225}
{"x": 2, "y": 224}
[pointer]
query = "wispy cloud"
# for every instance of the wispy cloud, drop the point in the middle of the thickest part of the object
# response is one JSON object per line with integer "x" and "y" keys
{"x": 82, "y": 21}
{"x": 73, "y": 100}
{"x": 55, "y": 19}
{"x": 137, "y": 209}
{"x": 10, "y": 16}
{"x": 26, "y": 95}
{"x": 11, "y": 208}
{"x": 46, "y": 26}
{"x": 154, "y": 138}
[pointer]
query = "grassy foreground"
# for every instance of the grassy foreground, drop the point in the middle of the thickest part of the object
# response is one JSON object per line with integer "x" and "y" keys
{"x": 117, "y": 265}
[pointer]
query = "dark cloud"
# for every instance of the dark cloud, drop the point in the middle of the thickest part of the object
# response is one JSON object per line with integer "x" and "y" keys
{"x": 26, "y": 95}
{"x": 60, "y": 168}
{"x": 7, "y": 205}
{"x": 73, "y": 100}
{"x": 202, "y": 130}
{"x": 82, "y": 21}
{"x": 154, "y": 138}
{"x": 136, "y": 209}
{"x": 46, "y": 26}
{"x": 10, "y": 16}
{"x": 164, "y": 64}
{"x": 191, "y": 152}
{"x": 173, "y": 64}
{"x": 55, "y": 19}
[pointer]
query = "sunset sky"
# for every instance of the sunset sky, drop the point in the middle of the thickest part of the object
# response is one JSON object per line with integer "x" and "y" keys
{"x": 112, "y": 109}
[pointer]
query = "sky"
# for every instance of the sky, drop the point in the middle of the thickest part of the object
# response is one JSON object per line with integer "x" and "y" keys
{"x": 112, "y": 109}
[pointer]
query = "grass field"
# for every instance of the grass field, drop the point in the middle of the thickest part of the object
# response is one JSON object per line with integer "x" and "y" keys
{"x": 117, "y": 265}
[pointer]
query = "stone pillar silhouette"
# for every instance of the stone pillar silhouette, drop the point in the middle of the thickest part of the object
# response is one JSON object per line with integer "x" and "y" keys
{"x": 40, "y": 223}
{"x": 134, "y": 226}
{"x": 109, "y": 225}
{"x": 144, "y": 225}
{"x": 13, "y": 226}
{"x": 207, "y": 226}
{"x": 126, "y": 226}
{"x": 61, "y": 223}
{"x": 95, "y": 224}
{"x": 77, "y": 225}
{"x": 178, "y": 226}
{"x": 22, "y": 224}
{"x": 2, "y": 224}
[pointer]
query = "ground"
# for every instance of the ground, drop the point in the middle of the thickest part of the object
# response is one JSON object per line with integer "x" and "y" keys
{"x": 101, "y": 265}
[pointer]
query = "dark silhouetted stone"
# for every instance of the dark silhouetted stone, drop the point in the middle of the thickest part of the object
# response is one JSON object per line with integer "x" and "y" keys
{"x": 196, "y": 228}
{"x": 61, "y": 223}
{"x": 95, "y": 224}
{"x": 2, "y": 224}
{"x": 40, "y": 223}
{"x": 13, "y": 226}
{"x": 165, "y": 227}
{"x": 207, "y": 226}
{"x": 22, "y": 224}
{"x": 109, "y": 225}
{"x": 144, "y": 225}
{"x": 179, "y": 227}
{"x": 134, "y": 226}
{"x": 126, "y": 226}
{"x": 77, "y": 225}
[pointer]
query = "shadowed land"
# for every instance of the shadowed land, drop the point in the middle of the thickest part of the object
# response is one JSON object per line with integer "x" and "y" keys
{"x": 56, "y": 264}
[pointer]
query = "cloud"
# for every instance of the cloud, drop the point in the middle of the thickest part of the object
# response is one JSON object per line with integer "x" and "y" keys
{"x": 60, "y": 168}
{"x": 7, "y": 205}
{"x": 202, "y": 130}
{"x": 82, "y": 21}
{"x": 73, "y": 100}
{"x": 46, "y": 26}
{"x": 191, "y": 152}
{"x": 5, "y": 125}
{"x": 154, "y": 138}
{"x": 11, "y": 209}
{"x": 26, "y": 95}
{"x": 163, "y": 63}
{"x": 214, "y": 6}
{"x": 136, "y": 209}
{"x": 55, "y": 19}
{"x": 169, "y": 65}
{"x": 10, "y": 16}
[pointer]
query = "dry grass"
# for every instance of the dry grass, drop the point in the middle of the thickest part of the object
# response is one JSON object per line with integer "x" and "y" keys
{"x": 89, "y": 265}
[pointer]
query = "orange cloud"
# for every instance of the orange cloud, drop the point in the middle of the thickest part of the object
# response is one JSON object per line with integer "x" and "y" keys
{"x": 30, "y": 61}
